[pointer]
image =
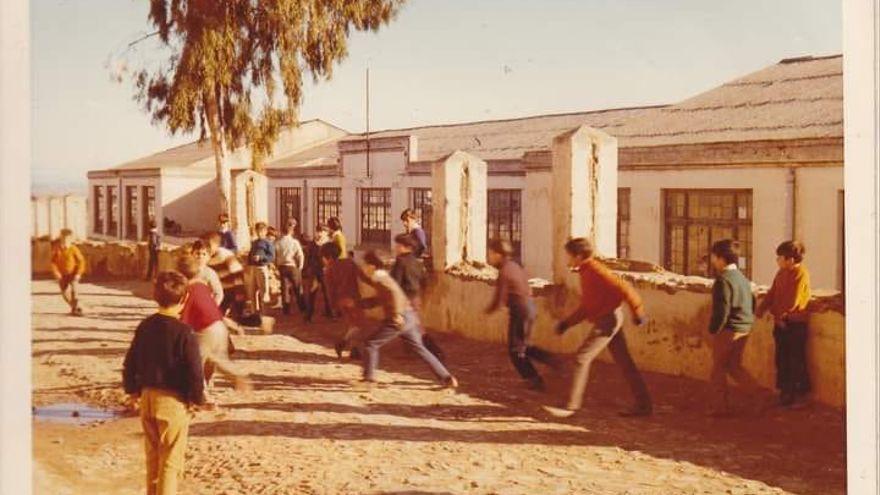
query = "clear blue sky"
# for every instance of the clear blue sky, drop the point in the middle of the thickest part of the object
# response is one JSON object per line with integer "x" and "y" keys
{"x": 440, "y": 61}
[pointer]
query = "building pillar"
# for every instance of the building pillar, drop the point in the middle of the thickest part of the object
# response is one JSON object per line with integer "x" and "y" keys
{"x": 459, "y": 210}
{"x": 584, "y": 179}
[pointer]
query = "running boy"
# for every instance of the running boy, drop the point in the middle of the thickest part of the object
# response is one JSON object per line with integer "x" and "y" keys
{"x": 162, "y": 372}
{"x": 512, "y": 289}
{"x": 787, "y": 301}
{"x": 602, "y": 295}
{"x": 202, "y": 314}
{"x": 68, "y": 266}
{"x": 341, "y": 278}
{"x": 730, "y": 325}
{"x": 399, "y": 320}
{"x": 409, "y": 273}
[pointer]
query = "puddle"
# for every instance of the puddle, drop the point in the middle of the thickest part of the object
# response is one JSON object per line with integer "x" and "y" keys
{"x": 72, "y": 413}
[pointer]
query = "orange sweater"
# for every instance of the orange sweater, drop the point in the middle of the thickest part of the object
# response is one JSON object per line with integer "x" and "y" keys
{"x": 789, "y": 295}
{"x": 601, "y": 293}
{"x": 68, "y": 261}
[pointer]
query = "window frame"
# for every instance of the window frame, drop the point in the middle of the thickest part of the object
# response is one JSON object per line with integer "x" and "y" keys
{"x": 624, "y": 216}
{"x": 686, "y": 220}
{"x": 148, "y": 202}
{"x": 113, "y": 222}
{"x": 377, "y": 210}
{"x": 325, "y": 208}
{"x": 294, "y": 193}
{"x": 99, "y": 215}
{"x": 513, "y": 217}
{"x": 131, "y": 217}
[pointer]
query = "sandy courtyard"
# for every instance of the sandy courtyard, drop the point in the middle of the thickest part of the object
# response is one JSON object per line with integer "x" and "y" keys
{"x": 305, "y": 429}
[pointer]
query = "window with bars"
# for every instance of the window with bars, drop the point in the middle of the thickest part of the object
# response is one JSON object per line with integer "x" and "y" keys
{"x": 505, "y": 217}
{"x": 328, "y": 203}
{"x": 623, "y": 213}
{"x": 131, "y": 212}
{"x": 148, "y": 208}
{"x": 420, "y": 202}
{"x": 100, "y": 209}
{"x": 289, "y": 207}
{"x": 697, "y": 218}
{"x": 376, "y": 216}
{"x": 113, "y": 211}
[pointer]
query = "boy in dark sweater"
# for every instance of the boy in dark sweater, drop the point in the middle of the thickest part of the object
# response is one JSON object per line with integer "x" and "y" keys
{"x": 409, "y": 273}
{"x": 153, "y": 245}
{"x": 730, "y": 325}
{"x": 512, "y": 289}
{"x": 411, "y": 224}
{"x": 262, "y": 254}
{"x": 162, "y": 373}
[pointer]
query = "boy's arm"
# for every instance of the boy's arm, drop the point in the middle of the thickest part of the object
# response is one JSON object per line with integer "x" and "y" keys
{"x": 216, "y": 287}
{"x": 56, "y": 272}
{"x": 721, "y": 297}
{"x": 80, "y": 261}
{"x": 129, "y": 379}
{"x": 195, "y": 375}
{"x": 501, "y": 289}
{"x": 270, "y": 252}
{"x": 767, "y": 301}
{"x": 299, "y": 257}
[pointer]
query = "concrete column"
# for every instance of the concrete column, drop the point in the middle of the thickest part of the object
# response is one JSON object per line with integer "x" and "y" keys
{"x": 459, "y": 213}
{"x": 537, "y": 215}
{"x": 584, "y": 193}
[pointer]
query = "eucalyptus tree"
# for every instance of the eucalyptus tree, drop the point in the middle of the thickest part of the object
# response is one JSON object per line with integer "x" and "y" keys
{"x": 235, "y": 68}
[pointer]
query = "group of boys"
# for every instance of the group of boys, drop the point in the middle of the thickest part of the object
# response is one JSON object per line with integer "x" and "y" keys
{"x": 174, "y": 353}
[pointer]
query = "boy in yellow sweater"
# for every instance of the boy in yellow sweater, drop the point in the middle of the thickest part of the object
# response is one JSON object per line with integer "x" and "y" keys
{"x": 68, "y": 266}
{"x": 787, "y": 302}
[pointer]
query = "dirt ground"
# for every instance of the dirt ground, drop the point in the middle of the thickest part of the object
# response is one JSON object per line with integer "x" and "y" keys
{"x": 306, "y": 429}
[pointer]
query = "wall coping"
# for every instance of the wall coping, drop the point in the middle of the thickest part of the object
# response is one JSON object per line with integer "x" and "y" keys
{"x": 644, "y": 275}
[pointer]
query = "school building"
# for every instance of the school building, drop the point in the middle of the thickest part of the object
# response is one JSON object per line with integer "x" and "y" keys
{"x": 759, "y": 159}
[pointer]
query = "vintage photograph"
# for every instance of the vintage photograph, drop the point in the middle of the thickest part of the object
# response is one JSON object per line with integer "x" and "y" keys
{"x": 422, "y": 247}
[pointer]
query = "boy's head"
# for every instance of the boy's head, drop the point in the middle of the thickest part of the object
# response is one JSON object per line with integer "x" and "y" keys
{"x": 271, "y": 233}
{"x": 290, "y": 228}
{"x": 170, "y": 289}
{"x": 201, "y": 252}
{"x": 723, "y": 253}
{"x": 330, "y": 253}
{"x": 212, "y": 241}
{"x": 334, "y": 224}
{"x": 261, "y": 229}
{"x": 579, "y": 249}
{"x": 65, "y": 237}
{"x": 372, "y": 262}
{"x": 404, "y": 244}
{"x": 409, "y": 219}
{"x": 223, "y": 220}
{"x": 152, "y": 224}
{"x": 189, "y": 266}
{"x": 789, "y": 254}
{"x": 498, "y": 251}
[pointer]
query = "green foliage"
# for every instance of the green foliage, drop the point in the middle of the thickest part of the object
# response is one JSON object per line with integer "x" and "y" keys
{"x": 232, "y": 60}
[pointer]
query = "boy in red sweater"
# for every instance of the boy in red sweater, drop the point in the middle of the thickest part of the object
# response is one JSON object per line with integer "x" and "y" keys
{"x": 602, "y": 296}
{"x": 201, "y": 312}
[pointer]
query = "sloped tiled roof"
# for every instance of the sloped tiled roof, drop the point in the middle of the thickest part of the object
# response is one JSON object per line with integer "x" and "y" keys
{"x": 799, "y": 98}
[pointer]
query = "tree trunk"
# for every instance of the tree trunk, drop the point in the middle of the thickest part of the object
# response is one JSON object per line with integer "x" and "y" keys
{"x": 224, "y": 176}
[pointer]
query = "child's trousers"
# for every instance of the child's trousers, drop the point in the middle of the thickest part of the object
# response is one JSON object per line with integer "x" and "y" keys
{"x": 166, "y": 424}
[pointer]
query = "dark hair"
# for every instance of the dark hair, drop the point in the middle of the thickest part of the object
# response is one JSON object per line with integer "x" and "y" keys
{"x": 169, "y": 289}
{"x": 408, "y": 214}
{"x": 792, "y": 250}
{"x": 65, "y": 233}
{"x": 152, "y": 224}
{"x": 334, "y": 223}
{"x": 501, "y": 246}
{"x": 373, "y": 259}
{"x": 579, "y": 246}
{"x": 260, "y": 226}
{"x": 223, "y": 217}
{"x": 188, "y": 266}
{"x": 727, "y": 250}
{"x": 331, "y": 251}
{"x": 199, "y": 245}
{"x": 405, "y": 240}
{"x": 271, "y": 231}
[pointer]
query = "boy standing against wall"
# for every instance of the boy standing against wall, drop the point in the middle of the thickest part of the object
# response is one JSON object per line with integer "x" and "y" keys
{"x": 730, "y": 325}
{"x": 154, "y": 242}
{"x": 162, "y": 372}
{"x": 787, "y": 301}
{"x": 68, "y": 266}
{"x": 602, "y": 296}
